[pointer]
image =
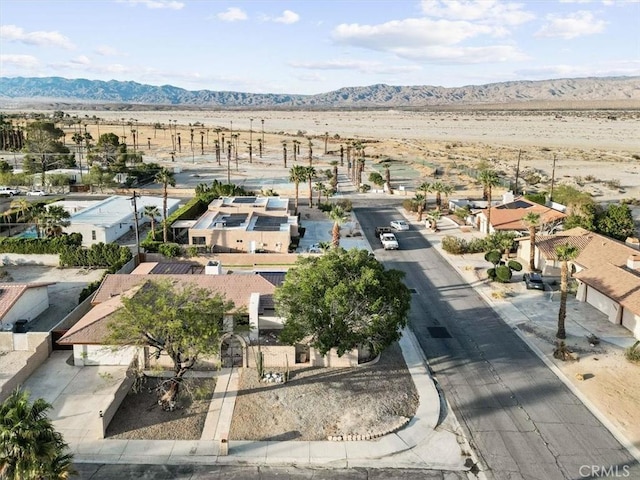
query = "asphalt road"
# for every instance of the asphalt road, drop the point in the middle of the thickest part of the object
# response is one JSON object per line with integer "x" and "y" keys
{"x": 523, "y": 422}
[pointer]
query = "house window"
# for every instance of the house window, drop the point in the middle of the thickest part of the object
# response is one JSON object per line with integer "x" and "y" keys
{"x": 198, "y": 241}
{"x": 242, "y": 321}
{"x": 93, "y": 234}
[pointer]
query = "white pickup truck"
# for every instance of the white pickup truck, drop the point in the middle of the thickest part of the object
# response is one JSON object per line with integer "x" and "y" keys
{"x": 9, "y": 191}
{"x": 389, "y": 241}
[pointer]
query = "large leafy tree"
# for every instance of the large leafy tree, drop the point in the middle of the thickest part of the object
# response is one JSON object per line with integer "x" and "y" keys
{"x": 44, "y": 150}
{"x": 616, "y": 222}
{"x": 342, "y": 300}
{"x": 565, "y": 253}
{"x": 179, "y": 319}
{"x": 30, "y": 448}
{"x": 166, "y": 178}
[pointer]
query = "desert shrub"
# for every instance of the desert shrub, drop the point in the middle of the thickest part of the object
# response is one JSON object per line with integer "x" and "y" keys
{"x": 476, "y": 245}
{"x": 345, "y": 204}
{"x": 497, "y": 240}
{"x": 376, "y": 179}
{"x": 365, "y": 187}
{"x": 410, "y": 205}
{"x": 463, "y": 213}
{"x": 589, "y": 178}
{"x": 454, "y": 245}
{"x": 612, "y": 184}
{"x": 192, "y": 251}
{"x": 170, "y": 250}
{"x": 515, "y": 266}
{"x": 633, "y": 352}
{"x": 150, "y": 245}
{"x": 325, "y": 206}
{"x": 503, "y": 274}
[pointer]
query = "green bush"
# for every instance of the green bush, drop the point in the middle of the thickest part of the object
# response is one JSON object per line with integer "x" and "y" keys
{"x": 410, "y": 205}
{"x": 150, "y": 245}
{"x": 365, "y": 187}
{"x": 476, "y": 245}
{"x": 491, "y": 273}
{"x": 463, "y": 213}
{"x": 454, "y": 245}
{"x": 98, "y": 255}
{"x": 503, "y": 273}
{"x": 345, "y": 204}
{"x": 170, "y": 250}
{"x": 515, "y": 266}
{"x": 39, "y": 246}
{"x": 493, "y": 256}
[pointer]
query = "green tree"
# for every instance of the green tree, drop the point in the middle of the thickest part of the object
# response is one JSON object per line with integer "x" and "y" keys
{"x": 106, "y": 149}
{"x": 44, "y": 150}
{"x": 30, "y": 448}
{"x": 616, "y": 222}
{"x": 532, "y": 221}
{"x": 376, "y": 179}
{"x": 52, "y": 220}
{"x": 433, "y": 216}
{"x": 565, "y": 253}
{"x": 99, "y": 177}
{"x": 310, "y": 174}
{"x": 425, "y": 188}
{"x": 489, "y": 179}
{"x": 172, "y": 317}
{"x": 152, "y": 212}
{"x": 166, "y": 178}
{"x": 387, "y": 176}
{"x": 297, "y": 174}
{"x": 342, "y": 300}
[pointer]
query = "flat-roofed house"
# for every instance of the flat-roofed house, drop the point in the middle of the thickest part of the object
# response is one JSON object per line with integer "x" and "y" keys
{"x": 246, "y": 224}
{"x": 109, "y": 219}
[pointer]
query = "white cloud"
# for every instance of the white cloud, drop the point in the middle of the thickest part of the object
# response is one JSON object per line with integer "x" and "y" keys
{"x": 485, "y": 11}
{"x": 107, "y": 51}
{"x": 20, "y": 61}
{"x": 287, "y": 17}
{"x": 156, "y": 4}
{"x": 356, "y": 65}
{"x": 81, "y": 60}
{"x": 571, "y": 26}
{"x": 232, "y": 14}
{"x": 13, "y": 33}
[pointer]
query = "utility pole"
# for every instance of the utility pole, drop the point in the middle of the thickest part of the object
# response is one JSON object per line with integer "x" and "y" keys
{"x": 135, "y": 221}
{"x": 517, "y": 173}
{"x": 553, "y": 177}
{"x": 250, "y": 139}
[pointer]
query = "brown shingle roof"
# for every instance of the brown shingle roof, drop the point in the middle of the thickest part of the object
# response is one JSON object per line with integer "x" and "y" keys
{"x": 615, "y": 282}
{"x": 509, "y": 216}
{"x": 92, "y": 328}
{"x": 236, "y": 287}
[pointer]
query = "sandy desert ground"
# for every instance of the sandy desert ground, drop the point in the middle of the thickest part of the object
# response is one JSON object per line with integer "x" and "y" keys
{"x": 596, "y": 150}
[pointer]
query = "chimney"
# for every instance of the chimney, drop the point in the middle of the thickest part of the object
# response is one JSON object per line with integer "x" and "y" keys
{"x": 632, "y": 242}
{"x": 507, "y": 197}
{"x": 633, "y": 262}
{"x": 213, "y": 267}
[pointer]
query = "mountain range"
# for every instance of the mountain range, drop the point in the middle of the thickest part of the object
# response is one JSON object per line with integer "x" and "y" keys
{"x": 24, "y": 91}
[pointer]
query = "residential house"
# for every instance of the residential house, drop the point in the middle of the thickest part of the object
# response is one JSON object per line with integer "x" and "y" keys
{"x": 107, "y": 220}
{"x": 22, "y": 301}
{"x": 607, "y": 271}
{"x": 508, "y": 216}
{"x": 251, "y": 293}
{"x": 245, "y": 224}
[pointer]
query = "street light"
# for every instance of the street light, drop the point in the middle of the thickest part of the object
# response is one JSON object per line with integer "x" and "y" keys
{"x": 135, "y": 215}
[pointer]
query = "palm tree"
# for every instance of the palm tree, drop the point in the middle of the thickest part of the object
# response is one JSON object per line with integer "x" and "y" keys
{"x": 532, "y": 220}
{"x": 338, "y": 215}
{"x": 152, "y": 212}
{"x": 438, "y": 187}
{"x": 22, "y": 206}
{"x": 387, "y": 177}
{"x": 166, "y": 178}
{"x": 310, "y": 152}
{"x": 284, "y": 152}
{"x": 53, "y": 219}
{"x": 310, "y": 174}
{"x": 565, "y": 253}
{"x": 489, "y": 179}
{"x": 296, "y": 149}
{"x": 419, "y": 199}
{"x": 297, "y": 174}
{"x": 447, "y": 189}
{"x": 30, "y": 448}
{"x": 321, "y": 188}
{"x": 425, "y": 188}
{"x": 433, "y": 216}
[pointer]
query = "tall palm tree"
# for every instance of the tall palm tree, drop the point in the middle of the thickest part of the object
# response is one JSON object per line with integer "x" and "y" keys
{"x": 297, "y": 174}
{"x": 53, "y": 220}
{"x": 22, "y": 206}
{"x": 489, "y": 179}
{"x": 152, "y": 212}
{"x": 310, "y": 152}
{"x": 30, "y": 448}
{"x": 433, "y": 216}
{"x": 419, "y": 199}
{"x": 447, "y": 189}
{"x": 284, "y": 152}
{"x": 387, "y": 177}
{"x": 296, "y": 149}
{"x": 310, "y": 175}
{"x": 339, "y": 216}
{"x": 438, "y": 187}
{"x": 321, "y": 188}
{"x": 532, "y": 220}
{"x": 425, "y": 188}
{"x": 565, "y": 253}
{"x": 166, "y": 178}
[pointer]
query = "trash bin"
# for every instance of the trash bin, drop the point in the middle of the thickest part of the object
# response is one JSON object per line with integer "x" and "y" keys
{"x": 224, "y": 446}
{"x": 20, "y": 326}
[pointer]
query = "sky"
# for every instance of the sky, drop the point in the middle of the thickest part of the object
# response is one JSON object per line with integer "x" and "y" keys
{"x": 316, "y": 46}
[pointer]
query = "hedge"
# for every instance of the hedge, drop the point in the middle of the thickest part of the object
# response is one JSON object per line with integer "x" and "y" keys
{"x": 40, "y": 246}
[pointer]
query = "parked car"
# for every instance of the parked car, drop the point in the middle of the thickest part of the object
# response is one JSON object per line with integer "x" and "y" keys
{"x": 36, "y": 193}
{"x": 399, "y": 225}
{"x": 533, "y": 281}
{"x": 9, "y": 191}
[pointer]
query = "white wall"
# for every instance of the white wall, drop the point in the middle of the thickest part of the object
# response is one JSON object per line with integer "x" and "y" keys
{"x": 603, "y": 303}
{"x": 32, "y": 303}
{"x": 86, "y": 355}
{"x": 631, "y": 322}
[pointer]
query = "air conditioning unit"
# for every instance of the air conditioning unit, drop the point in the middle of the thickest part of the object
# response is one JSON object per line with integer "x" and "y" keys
{"x": 7, "y": 327}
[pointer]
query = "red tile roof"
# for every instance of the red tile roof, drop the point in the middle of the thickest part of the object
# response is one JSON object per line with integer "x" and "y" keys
{"x": 509, "y": 216}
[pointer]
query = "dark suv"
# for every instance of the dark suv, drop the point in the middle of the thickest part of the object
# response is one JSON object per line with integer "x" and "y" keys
{"x": 533, "y": 281}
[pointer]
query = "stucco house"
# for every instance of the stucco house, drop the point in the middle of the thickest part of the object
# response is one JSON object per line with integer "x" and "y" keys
{"x": 109, "y": 219}
{"x": 252, "y": 295}
{"x": 607, "y": 271}
{"x": 245, "y": 224}
{"x": 22, "y": 301}
{"x": 509, "y": 214}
